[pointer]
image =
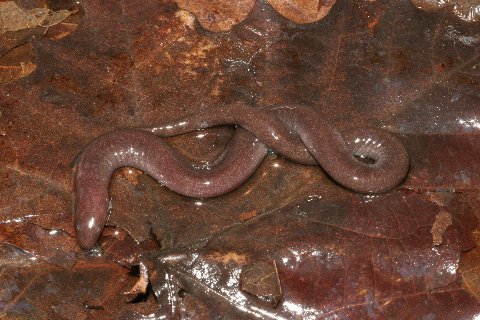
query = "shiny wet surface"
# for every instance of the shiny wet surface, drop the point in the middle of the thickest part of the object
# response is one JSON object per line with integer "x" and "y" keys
{"x": 289, "y": 242}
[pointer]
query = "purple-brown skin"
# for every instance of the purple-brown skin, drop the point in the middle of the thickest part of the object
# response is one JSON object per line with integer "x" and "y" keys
{"x": 295, "y": 132}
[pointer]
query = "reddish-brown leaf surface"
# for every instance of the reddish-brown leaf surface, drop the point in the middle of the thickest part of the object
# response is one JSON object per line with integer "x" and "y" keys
{"x": 289, "y": 243}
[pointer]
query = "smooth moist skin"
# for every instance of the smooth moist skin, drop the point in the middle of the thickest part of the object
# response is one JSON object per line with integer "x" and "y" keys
{"x": 362, "y": 160}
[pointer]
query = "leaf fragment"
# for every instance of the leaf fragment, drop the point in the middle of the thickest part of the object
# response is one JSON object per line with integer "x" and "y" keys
{"x": 302, "y": 11}
{"x": 14, "y": 18}
{"x": 442, "y": 221}
{"x": 261, "y": 279}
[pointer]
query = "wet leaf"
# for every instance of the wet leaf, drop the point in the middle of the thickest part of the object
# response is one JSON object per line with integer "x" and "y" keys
{"x": 325, "y": 252}
{"x": 328, "y": 263}
{"x": 218, "y": 15}
{"x": 468, "y": 10}
{"x": 19, "y": 26}
{"x": 140, "y": 287}
{"x": 261, "y": 280}
{"x": 87, "y": 291}
{"x": 17, "y": 63}
{"x": 14, "y": 18}
{"x": 51, "y": 246}
{"x": 442, "y": 221}
{"x": 301, "y": 11}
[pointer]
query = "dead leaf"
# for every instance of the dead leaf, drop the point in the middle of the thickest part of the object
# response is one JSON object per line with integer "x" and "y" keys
{"x": 140, "y": 287}
{"x": 51, "y": 18}
{"x": 261, "y": 279}
{"x": 377, "y": 249}
{"x": 429, "y": 5}
{"x": 471, "y": 280}
{"x": 186, "y": 18}
{"x": 442, "y": 221}
{"x": 470, "y": 268}
{"x": 92, "y": 290}
{"x": 12, "y": 73}
{"x": 17, "y": 63}
{"x": 52, "y": 246}
{"x": 302, "y": 11}
{"x": 467, "y": 10}
{"x": 130, "y": 174}
{"x": 244, "y": 216}
{"x": 14, "y": 18}
{"x": 218, "y": 15}
{"x": 338, "y": 254}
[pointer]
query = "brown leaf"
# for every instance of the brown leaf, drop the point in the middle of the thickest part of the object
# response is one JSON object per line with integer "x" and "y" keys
{"x": 443, "y": 150}
{"x": 17, "y": 63}
{"x": 50, "y": 18}
{"x": 442, "y": 221}
{"x": 117, "y": 244}
{"x": 52, "y": 246}
{"x": 470, "y": 270}
{"x": 92, "y": 290}
{"x": 302, "y": 11}
{"x": 321, "y": 247}
{"x": 140, "y": 287}
{"x": 12, "y": 73}
{"x": 338, "y": 254}
{"x": 467, "y": 10}
{"x": 14, "y": 18}
{"x": 218, "y": 15}
{"x": 16, "y": 26}
{"x": 248, "y": 215}
{"x": 261, "y": 279}
{"x": 429, "y": 5}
